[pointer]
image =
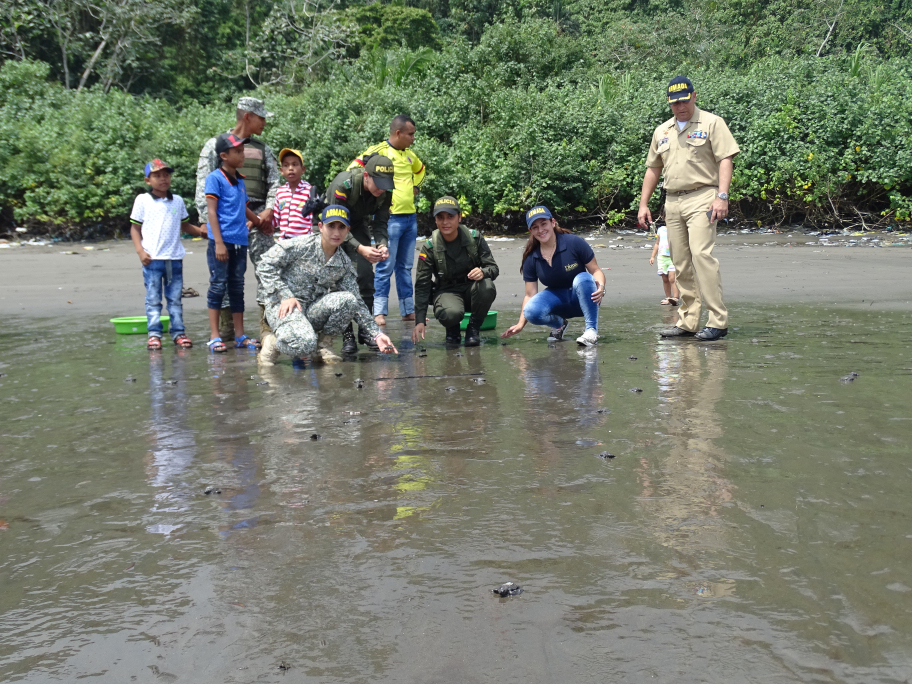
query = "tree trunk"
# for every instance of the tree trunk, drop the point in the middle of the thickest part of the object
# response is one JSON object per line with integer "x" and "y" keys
{"x": 91, "y": 64}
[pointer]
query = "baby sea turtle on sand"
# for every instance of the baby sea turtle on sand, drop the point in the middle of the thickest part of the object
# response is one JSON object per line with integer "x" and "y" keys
{"x": 422, "y": 355}
{"x": 635, "y": 389}
{"x": 603, "y": 411}
{"x": 260, "y": 384}
{"x": 338, "y": 375}
{"x": 508, "y": 589}
{"x": 632, "y": 358}
{"x": 314, "y": 437}
{"x": 449, "y": 389}
{"x": 605, "y": 455}
{"x": 212, "y": 490}
{"x": 129, "y": 379}
{"x": 359, "y": 383}
{"x": 849, "y": 378}
{"x": 478, "y": 381}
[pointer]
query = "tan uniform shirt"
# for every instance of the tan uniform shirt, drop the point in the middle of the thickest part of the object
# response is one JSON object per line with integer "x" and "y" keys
{"x": 690, "y": 158}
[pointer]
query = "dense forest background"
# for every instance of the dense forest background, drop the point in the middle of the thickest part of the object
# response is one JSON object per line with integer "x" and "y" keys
{"x": 517, "y": 102}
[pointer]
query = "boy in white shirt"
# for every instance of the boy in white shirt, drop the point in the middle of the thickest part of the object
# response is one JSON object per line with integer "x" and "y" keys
{"x": 662, "y": 250}
{"x": 157, "y": 220}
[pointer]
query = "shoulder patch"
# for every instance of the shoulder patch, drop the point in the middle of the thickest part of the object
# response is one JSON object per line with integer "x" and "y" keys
{"x": 474, "y": 233}
{"x": 428, "y": 243}
{"x": 347, "y": 183}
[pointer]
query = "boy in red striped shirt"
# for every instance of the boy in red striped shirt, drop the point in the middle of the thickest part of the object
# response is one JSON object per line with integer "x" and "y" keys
{"x": 291, "y": 197}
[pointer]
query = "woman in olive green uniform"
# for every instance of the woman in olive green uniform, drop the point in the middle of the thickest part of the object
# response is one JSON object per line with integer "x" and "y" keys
{"x": 456, "y": 272}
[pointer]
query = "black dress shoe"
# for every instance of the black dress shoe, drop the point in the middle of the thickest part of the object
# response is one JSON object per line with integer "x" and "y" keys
{"x": 709, "y": 334}
{"x": 676, "y": 332}
{"x": 472, "y": 336}
{"x": 453, "y": 335}
{"x": 349, "y": 346}
{"x": 368, "y": 342}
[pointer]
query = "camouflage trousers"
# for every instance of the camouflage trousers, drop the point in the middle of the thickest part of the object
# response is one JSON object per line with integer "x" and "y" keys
{"x": 296, "y": 334}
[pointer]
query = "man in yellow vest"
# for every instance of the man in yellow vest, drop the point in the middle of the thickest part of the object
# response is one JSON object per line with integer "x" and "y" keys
{"x": 408, "y": 175}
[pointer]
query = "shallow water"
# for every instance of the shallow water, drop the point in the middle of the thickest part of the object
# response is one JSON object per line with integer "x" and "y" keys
{"x": 753, "y": 525}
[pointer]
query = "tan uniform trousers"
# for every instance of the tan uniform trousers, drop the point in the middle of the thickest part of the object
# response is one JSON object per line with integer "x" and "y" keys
{"x": 692, "y": 238}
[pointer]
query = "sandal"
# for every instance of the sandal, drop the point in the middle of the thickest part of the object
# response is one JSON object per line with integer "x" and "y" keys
{"x": 183, "y": 341}
{"x": 154, "y": 343}
{"x": 667, "y": 300}
{"x": 673, "y": 301}
{"x": 247, "y": 342}
{"x": 216, "y": 345}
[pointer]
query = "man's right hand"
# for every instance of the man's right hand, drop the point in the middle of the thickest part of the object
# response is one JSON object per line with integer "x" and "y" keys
{"x": 144, "y": 258}
{"x": 418, "y": 330}
{"x": 289, "y": 305}
{"x": 644, "y": 217}
{"x": 374, "y": 256}
{"x": 221, "y": 252}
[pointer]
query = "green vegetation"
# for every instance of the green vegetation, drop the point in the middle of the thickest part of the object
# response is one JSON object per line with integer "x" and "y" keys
{"x": 516, "y": 102}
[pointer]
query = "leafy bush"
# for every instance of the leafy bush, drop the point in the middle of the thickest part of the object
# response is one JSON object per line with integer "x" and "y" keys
{"x": 521, "y": 117}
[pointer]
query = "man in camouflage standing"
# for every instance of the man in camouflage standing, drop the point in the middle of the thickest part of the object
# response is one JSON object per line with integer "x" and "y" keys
{"x": 365, "y": 190}
{"x": 261, "y": 176}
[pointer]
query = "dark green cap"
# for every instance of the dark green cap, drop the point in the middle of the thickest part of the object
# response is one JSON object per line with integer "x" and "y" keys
{"x": 447, "y": 204}
{"x": 380, "y": 168}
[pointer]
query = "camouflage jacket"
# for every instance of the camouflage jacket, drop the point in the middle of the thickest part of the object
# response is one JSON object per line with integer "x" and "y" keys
{"x": 208, "y": 162}
{"x": 298, "y": 268}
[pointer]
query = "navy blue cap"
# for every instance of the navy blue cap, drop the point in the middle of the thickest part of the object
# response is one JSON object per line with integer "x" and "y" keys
{"x": 535, "y": 213}
{"x": 680, "y": 88}
{"x": 335, "y": 212}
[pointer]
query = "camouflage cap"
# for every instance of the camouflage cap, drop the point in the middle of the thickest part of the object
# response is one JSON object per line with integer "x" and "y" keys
{"x": 254, "y": 106}
{"x": 447, "y": 204}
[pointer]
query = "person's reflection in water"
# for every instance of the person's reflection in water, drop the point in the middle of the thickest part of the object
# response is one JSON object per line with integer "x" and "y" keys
{"x": 563, "y": 395}
{"x": 230, "y": 403}
{"x": 173, "y": 444}
{"x": 684, "y": 487}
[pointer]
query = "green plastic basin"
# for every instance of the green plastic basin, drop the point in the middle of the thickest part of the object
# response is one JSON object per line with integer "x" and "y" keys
{"x": 136, "y": 325}
{"x": 490, "y": 321}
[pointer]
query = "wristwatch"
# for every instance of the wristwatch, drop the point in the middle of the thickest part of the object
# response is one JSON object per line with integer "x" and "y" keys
{"x": 722, "y": 196}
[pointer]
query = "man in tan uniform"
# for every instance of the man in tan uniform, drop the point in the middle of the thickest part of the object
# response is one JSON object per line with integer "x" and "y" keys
{"x": 694, "y": 152}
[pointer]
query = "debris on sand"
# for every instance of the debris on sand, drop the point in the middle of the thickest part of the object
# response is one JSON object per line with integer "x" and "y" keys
{"x": 508, "y": 589}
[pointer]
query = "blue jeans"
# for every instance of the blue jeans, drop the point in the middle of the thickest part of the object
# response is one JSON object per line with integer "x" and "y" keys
{"x": 550, "y": 307}
{"x": 403, "y": 232}
{"x": 227, "y": 276}
{"x": 164, "y": 276}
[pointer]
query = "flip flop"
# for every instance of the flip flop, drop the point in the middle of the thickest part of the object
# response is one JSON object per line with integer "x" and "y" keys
{"x": 216, "y": 345}
{"x": 247, "y": 342}
{"x": 189, "y": 292}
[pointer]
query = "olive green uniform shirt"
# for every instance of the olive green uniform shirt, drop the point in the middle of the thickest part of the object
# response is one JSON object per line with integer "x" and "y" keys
{"x": 347, "y": 189}
{"x": 690, "y": 158}
{"x": 459, "y": 263}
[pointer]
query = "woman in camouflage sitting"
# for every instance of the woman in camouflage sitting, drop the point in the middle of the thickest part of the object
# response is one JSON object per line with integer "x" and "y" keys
{"x": 311, "y": 289}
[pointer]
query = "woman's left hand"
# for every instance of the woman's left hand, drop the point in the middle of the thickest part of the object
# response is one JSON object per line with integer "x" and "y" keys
{"x": 386, "y": 344}
{"x": 598, "y": 294}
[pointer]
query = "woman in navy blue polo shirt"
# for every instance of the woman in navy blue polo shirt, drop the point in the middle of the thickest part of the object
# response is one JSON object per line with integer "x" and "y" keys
{"x": 565, "y": 264}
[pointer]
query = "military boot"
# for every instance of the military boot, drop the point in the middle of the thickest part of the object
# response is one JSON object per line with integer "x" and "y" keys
{"x": 453, "y": 335}
{"x": 349, "y": 346}
{"x": 325, "y": 351}
{"x": 473, "y": 338}
{"x": 368, "y": 342}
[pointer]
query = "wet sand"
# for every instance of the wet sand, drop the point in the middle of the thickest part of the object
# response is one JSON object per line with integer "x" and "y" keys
{"x": 106, "y": 280}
